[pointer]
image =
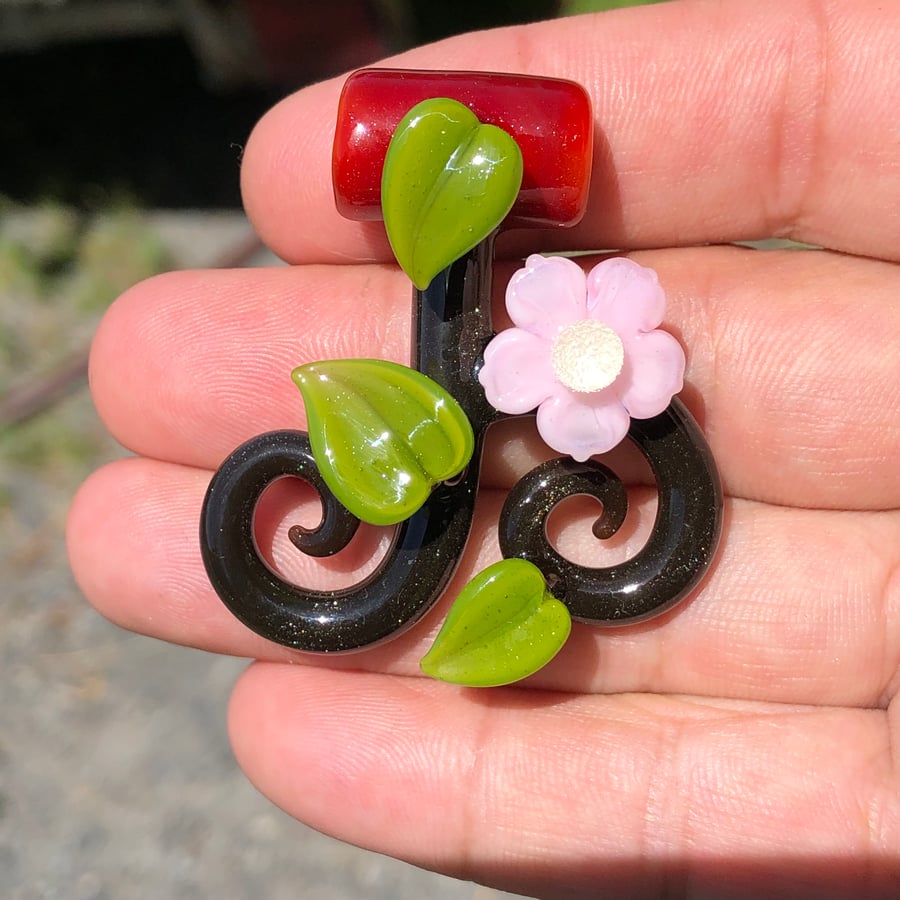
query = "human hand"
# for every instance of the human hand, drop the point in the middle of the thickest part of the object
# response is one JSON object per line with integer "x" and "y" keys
{"x": 742, "y": 744}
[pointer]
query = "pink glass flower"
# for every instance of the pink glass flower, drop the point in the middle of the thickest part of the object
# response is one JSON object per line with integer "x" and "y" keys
{"x": 585, "y": 350}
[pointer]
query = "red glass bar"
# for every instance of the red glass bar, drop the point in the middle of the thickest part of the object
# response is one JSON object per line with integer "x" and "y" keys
{"x": 549, "y": 118}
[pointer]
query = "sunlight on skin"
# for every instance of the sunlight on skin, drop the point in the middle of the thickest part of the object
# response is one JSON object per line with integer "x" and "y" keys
{"x": 743, "y": 743}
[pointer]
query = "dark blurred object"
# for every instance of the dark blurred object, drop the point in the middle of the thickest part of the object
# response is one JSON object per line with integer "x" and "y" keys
{"x": 240, "y": 42}
{"x": 151, "y": 101}
{"x": 236, "y": 42}
{"x": 98, "y": 123}
{"x": 429, "y": 21}
{"x": 303, "y": 40}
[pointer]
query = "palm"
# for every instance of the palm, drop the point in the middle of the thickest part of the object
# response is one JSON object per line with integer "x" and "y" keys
{"x": 747, "y": 735}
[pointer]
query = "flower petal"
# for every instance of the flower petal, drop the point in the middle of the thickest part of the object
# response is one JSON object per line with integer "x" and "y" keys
{"x": 547, "y": 295}
{"x": 582, "y": 425}
{"x": 625, "y": 296}
{"x": 653, "y": 373}
{"x": 517, "y": 374}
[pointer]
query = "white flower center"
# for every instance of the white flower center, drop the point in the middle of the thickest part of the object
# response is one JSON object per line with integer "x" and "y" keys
{"x": 587, "y": 356}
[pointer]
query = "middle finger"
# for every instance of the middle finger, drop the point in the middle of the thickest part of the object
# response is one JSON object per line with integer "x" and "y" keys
{"x": 792, "y": 362}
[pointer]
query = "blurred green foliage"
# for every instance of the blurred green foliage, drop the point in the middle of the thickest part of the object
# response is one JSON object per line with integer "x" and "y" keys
{"x": 574, "y": 7}
{"x": 60, "y": 268}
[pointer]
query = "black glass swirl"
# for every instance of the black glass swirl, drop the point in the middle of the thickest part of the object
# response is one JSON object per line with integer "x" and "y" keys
{"x": 452, "y": 325}
{"x": 451, "y": 328}
{"x": 682, "y": 542}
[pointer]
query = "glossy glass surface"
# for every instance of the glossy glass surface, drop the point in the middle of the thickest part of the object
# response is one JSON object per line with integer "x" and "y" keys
{"x": 504, "y": 626}
{"x": 681, "y": 545}
{"x": 451, "y": 327}
{"x": 448, "y": 182}
{"x": 383, "y": 435}
{"x": 551, "y": 123}
{"x": 550, "y": 120}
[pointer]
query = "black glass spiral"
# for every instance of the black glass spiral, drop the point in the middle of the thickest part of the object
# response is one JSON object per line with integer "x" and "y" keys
{"x": 452, "y": 325}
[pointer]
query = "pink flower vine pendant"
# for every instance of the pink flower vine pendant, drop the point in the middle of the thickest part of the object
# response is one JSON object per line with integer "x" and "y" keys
{"x": 444, "y": 160}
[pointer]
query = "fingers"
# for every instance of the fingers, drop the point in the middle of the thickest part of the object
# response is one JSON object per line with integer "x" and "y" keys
{"x": 802, "y": 606}
{"x": 552, "y": 795}
{"x": 715, "y": 122}
{"x": 187, "y": 365}
{"x": 783, "y": 370}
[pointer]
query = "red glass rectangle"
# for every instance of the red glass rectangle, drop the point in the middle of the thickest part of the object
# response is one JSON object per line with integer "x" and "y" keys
{"x": 549, "y": 118}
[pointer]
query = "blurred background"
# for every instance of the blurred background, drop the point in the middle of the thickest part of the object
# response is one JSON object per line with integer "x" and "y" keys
{"x": 122, "y": 124}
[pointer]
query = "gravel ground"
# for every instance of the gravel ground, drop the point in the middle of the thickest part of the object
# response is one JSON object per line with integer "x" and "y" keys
{"x": 116, "y": 777}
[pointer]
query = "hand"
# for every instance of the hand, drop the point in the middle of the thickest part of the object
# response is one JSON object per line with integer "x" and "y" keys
{"x": 744, "y": 743}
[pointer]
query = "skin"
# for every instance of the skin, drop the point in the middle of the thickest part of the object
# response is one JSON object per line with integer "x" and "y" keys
{"x": 744, "y": 743}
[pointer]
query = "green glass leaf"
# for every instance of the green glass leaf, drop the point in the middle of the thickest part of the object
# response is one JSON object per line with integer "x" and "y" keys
{"x": 504, "y": 626}
{"x": 448, "y": 182}
{"x": 382, "y": 434}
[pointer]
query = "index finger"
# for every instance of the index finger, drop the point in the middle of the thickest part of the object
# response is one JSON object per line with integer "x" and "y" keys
{"x": 714, "y": 122}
